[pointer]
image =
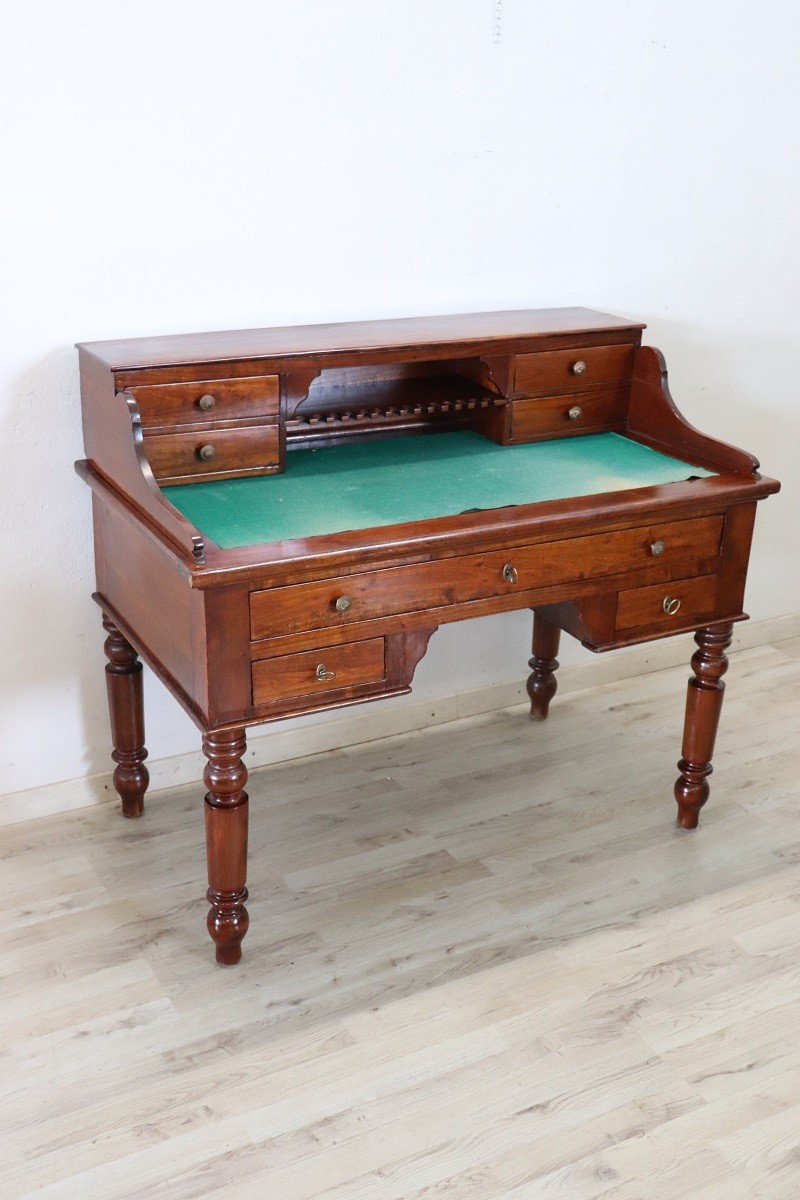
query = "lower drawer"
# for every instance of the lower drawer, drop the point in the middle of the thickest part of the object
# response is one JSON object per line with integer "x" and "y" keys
{"x": 663, "y": 604}
{"x": 551, "y": 416}
{"x": 317, "y": 671}
{"x": 212, "y": 453}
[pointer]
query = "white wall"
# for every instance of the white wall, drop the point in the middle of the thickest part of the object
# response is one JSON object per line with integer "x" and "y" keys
{"x": 183, "y": 166}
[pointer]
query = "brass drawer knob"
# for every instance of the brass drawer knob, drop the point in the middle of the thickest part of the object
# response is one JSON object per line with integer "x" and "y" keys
{"x": 579, "y": 367}
{"x": 510, "y": 573}
{"x": 343, "y": 603}
{"x": 657, "y": 548}
{"x": 575, "y": 412}
{"x": 206, "y": 453}
{"x": 323, "y": 674}
{"x": 206, "y": 403}
{"x": 671, "y": 605}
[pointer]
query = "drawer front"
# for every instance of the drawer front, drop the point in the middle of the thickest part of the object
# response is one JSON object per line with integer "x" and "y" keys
{"x": 212, "y": 452}
{"x": 665, "y": 604}
{"x": 331, "y": 602}
{"x": 555, "y": 416}
{"x": 169, "y": 404}
{"x": 572, "y": 370}
{"x": 318, "y": 671}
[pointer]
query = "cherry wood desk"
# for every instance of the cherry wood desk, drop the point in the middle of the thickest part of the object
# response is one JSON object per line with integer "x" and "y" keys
{"x": 283, "y": 517}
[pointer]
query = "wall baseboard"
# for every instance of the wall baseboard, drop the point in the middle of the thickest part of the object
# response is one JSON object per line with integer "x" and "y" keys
{"x": 376, "y": 722}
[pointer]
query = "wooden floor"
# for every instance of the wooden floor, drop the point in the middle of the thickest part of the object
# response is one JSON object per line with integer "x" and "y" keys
{"x": 482, "y": 963}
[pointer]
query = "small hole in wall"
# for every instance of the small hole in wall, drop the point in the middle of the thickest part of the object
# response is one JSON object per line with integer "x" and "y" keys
{"x": 497, "y": 20}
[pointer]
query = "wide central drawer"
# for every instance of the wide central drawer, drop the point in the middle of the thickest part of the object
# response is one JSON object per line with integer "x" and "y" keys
{"x": 366, "y": 596}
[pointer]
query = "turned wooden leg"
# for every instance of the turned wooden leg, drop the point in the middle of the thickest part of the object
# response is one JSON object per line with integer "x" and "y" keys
{"x": 124, "y": 682}
{"x": 544, "y": 664}
{"x": 226, "y": 841}
{"x": 703, "y": 704}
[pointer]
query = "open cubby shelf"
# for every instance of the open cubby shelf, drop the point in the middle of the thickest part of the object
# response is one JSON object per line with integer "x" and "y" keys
{"x": 390, "y": 398}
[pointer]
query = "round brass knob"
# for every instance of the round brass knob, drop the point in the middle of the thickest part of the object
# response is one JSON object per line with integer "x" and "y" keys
{"x": 657, "y": 548}
{"x": 579, "y": 367}
{"x": 206, "y": 453}
{"x": 323, "y": 674}
{"x": 343, "y": 603}
{"x": 671, "y": 605}
{"x": 575, "y": 412}
{"x": 510, "y": 573}
{"x": 206, "y": 403}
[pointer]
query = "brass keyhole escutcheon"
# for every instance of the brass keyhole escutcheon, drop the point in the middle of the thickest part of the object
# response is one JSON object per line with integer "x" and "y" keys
{"x": 342, "y": 604}
{"x": 510, "y": 573}
{"x": 671, "y": 605}
{"x": 323, "y": 674}
{"x": 206, "y": 453}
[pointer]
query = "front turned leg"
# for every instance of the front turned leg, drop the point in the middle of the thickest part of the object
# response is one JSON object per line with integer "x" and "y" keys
{"x": 544, "y": 664}
{"x": 226, "y": 805}
{"x": 126, "y": 708}
{"x": 703, "y": 704}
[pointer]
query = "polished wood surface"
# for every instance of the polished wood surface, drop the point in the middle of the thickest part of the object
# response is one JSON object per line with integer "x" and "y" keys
{"x": 703, "y": 705}
{"x": 436, "y": 334}
{"x": 226, "y": 811}
{"x": 541, "y": 684}
{"x": 538, "y": 419}
{"x": 482, "y": 965}
{"x": 213, "y": 453}
{"x": 572, "y": 370}
{"x": 315, "y": 671}
{"x": 260, "y": 633}
{"x": 126, "y": 710}
{"x": 207, "y": 402}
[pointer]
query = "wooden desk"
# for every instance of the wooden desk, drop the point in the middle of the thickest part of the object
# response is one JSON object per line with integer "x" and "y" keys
{"x": 283, "y": 517}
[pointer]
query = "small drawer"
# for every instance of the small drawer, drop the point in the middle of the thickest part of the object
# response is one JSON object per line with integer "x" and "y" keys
{"x": 316, "y": 671}
{"x": 212, "y": 453}
{"x": 556, "y": 416}
{"x": 165, "y": 405}
{"x": 679, "y": 603}
{"x": 572, "y": 370}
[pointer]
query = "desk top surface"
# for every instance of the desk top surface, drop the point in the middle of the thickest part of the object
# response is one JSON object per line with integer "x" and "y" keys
{"x": 308, "y": 341}
{"x": 371, "y": 484}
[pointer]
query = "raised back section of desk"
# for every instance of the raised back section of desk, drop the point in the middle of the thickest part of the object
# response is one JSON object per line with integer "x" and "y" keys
{"x": 227, "y": 405}
{"x": 191, "y": 408}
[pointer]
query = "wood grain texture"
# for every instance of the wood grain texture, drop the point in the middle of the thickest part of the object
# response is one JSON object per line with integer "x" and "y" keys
{"x": 572, "y": 370}
{"x": 226, "y": 813}
{"x": 568, "y": 416}
{"x": 472, "y": 577}
{"x": 213, "y": 453}
{"x": 482, "y": 970}
{"x": 126, "y": 711}
{"x": 203, "y": 400}
{"x": 443, "y": 333}
{"x": 541, "y": 684}
{"x": 703, "y": 706}
{"x": 647, "y": 607}
{"x": 315, "y": 671}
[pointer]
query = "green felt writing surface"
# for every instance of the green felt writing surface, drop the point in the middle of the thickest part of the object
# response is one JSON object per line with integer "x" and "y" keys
{"x": 373, "y": 483}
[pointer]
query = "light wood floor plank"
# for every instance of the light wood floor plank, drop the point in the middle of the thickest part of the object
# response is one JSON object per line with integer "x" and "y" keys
{"x": 483, "y": 965}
